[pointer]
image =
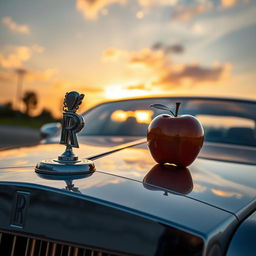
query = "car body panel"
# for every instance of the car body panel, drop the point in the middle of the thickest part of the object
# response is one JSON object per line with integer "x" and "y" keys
{"x": 226, "y": 185}
{"x": 129, "y": 194}
{"x": 93, "y": 146}
{"x": 243, "y": 241}
{"x": 223, "y": 184}
{"x": 77, "y": 219}
{"x": 210, "y": 224}
{"x": 118, "y": 183}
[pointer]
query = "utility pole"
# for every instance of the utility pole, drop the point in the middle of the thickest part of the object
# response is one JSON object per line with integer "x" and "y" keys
{"x": 20, "y": 75}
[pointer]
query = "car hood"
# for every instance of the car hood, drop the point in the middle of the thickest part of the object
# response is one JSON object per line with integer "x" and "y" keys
{"x": 222, "y": 176}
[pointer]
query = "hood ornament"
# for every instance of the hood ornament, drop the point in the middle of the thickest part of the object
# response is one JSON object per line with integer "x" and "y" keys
{"x": 72, "y": 123}
{"x": 68, "y": 166}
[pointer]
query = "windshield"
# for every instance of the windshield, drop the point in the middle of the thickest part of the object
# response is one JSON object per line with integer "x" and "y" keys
{"x": 223, "y": 121}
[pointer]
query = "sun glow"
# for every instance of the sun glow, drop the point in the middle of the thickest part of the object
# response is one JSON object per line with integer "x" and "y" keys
{"x": 118, "y": 91}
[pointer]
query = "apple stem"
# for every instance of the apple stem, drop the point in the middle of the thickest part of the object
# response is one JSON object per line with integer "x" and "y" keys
{"x": 177, "y": 108}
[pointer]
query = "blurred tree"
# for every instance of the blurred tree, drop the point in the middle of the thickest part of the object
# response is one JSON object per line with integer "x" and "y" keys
{"x": 20, "y": 73}
{"x": 6, "y": 110}
{"x": 46, "y": 115}
{"x": 8, "y": 105}
{"x": 30, "y": 100}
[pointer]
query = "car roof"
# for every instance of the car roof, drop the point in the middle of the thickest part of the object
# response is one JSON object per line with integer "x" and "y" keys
{"x": 218, "y": 109}
{"x": 232, "y": 99}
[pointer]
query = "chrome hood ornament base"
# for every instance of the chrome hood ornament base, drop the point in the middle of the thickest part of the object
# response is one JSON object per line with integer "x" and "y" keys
{"x": 68, "y": 165}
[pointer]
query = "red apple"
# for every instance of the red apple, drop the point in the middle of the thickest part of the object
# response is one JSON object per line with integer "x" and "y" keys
{"x": 174, "y": 139}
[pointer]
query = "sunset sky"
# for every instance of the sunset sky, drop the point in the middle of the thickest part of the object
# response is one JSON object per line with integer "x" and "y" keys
{"x": 122, "y": 48}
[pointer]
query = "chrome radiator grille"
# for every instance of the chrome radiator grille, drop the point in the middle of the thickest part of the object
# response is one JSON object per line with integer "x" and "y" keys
{"x": 17, "y": 245}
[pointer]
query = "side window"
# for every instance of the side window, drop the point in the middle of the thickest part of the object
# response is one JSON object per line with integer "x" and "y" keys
{"x": 228, "y": 129}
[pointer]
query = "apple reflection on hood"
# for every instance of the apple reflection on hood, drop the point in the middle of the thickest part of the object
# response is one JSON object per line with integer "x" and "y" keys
{"x": 169, "y": 178}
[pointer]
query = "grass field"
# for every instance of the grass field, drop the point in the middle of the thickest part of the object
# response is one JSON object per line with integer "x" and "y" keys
{"x": 26, "y": 122}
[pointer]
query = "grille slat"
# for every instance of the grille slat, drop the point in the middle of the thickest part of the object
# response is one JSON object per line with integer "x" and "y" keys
{"x": 40, "y": 248}
{"x": 62, "y": 250}
{"x": 33, "y": 245}
{"x": 22, "y": 245}
{"x": 69, "y": 251}
{"x": 13, "y": 245}
{"x": 27, "y": 247}
{"x": 47, "y": 248}
{"x": 53, "y": 249}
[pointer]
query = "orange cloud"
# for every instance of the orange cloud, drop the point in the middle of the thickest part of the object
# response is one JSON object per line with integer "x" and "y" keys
{"x": 169, "y": 74}
{"x": 186, "y": 13}
{"x": 149, "y": 3}
{"x": 6, "y": 76}
{"x": 45, "y": 75}
{"x": 144, "y": 58}
{"x": 227, "y": 3}
{"x": 70, "y": 85}
{"x": 12, "y": 25}
{"x": 37, "y": 48}
{"x": 19, "y": 55}
{"x": 15, "y": 59}
{"x": 136, "y": 87}
{"x": 91, "y": 9}
{"x": 30, "y": 75}
{"x": 162, "y": 72}
{"x": 112, "y": 54}
{"x": 148, "y": 58}
{"x": 189, "y": 74}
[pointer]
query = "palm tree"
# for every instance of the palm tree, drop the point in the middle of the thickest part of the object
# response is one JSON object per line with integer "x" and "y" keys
{"x": 30, "y": 100}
